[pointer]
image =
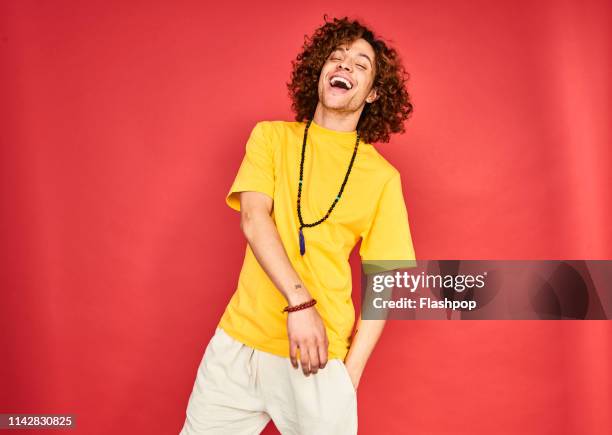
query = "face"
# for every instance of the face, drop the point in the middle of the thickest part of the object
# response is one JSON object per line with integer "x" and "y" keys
{"x": 352, "y": 66}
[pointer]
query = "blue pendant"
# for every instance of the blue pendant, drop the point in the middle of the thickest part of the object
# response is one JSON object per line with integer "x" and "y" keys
{"x": 302, "y": 243}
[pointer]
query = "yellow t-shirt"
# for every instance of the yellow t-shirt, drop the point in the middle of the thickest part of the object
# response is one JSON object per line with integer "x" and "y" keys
{"x": 371, "y": 207}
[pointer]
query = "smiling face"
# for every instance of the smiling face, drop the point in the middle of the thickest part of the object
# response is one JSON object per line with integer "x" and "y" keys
{"x": 346, "y": 79}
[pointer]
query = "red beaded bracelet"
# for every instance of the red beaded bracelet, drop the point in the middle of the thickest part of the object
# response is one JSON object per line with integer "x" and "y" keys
{"x": 308, "y": 304}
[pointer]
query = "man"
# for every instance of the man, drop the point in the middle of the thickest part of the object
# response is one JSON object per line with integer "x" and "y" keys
{"x": 307, "y": 191}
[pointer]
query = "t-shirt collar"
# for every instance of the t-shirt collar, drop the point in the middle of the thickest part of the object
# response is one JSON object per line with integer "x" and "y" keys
{"x": 333, "y": 136}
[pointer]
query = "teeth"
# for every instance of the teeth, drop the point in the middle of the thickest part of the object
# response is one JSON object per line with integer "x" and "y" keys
{"x": 341, "y": 79}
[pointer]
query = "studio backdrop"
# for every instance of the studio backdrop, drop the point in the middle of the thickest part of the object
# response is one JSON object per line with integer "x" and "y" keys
{"x": 123, "y": 124}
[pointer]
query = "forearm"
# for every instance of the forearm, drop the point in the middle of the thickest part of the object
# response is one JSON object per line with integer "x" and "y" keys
{"x": 305, "y": 329}
{"x": 367, "y": 333}
{"x": 264, "y": 240}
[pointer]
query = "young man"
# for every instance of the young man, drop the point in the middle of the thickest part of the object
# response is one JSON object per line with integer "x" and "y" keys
{"x": 307, "y": 191}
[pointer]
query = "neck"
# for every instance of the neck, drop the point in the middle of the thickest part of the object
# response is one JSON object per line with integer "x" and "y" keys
{"x": 334, "y": 120}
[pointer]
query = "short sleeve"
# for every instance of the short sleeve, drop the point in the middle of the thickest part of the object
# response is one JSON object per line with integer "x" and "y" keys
{"x": 256, "y": 172}
{"x": 387, "y": 243}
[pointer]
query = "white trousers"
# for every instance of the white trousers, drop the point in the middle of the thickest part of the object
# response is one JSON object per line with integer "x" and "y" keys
{"x": 238, "y": 390}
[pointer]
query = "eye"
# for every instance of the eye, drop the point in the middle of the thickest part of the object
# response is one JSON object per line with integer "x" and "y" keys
{"x": 361, "y": 66}
{"x": 335, "y": 58}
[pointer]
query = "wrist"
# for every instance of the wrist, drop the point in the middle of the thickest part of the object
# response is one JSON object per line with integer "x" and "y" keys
{"x": 299, "y": 307}
{"x": 298, "y": 294}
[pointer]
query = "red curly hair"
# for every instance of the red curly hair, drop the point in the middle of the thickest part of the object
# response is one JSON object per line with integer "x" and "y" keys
{"x": 379, "y": 119}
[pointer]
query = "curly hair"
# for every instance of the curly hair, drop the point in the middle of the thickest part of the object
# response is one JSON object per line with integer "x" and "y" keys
{"x": 378, "y": 119}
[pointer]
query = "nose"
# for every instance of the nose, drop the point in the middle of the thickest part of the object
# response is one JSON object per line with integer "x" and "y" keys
{"x": 344, "y": 65}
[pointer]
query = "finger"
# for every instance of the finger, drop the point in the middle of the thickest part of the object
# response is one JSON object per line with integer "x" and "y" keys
{"x": 305, "y": 360}
{"x": 293, "y": 351}
{"x": 313, "y": 352}
{"x": 322, "y": 350}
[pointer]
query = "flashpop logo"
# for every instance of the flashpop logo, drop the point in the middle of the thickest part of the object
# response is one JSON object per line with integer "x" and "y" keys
{"x": 412, "y": 282}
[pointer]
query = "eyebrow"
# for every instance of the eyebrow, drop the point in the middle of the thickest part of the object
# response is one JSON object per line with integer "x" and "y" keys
{"x": 358, "y": 54}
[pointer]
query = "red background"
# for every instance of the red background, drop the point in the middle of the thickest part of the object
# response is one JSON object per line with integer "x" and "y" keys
{"x": 123, "y": 125}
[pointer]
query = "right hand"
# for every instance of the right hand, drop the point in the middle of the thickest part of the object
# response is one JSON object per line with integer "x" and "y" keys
{"x": 307, "y": 333}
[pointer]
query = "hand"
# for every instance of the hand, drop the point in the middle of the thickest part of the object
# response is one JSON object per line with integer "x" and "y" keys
{"x": 307, "y": 333}
{"x": 354, "y": 372}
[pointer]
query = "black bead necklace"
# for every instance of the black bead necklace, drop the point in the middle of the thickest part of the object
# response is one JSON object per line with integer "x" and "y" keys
{"x": 299, "y": 211}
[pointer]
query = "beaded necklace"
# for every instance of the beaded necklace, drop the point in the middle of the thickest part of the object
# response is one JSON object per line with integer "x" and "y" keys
{"x": 299, "y": 211}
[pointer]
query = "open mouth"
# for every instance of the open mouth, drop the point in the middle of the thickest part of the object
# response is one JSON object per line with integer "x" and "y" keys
{"x": 340, "y": 83}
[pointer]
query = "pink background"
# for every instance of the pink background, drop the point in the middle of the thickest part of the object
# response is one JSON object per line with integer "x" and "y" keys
{"x": 123, "y": 125}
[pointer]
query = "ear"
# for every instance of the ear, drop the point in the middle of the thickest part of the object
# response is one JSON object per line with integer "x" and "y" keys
{"x": 372, "y": 96}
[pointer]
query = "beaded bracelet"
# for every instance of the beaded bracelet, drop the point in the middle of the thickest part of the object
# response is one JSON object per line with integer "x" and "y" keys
{"x": 308, "y": 304}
